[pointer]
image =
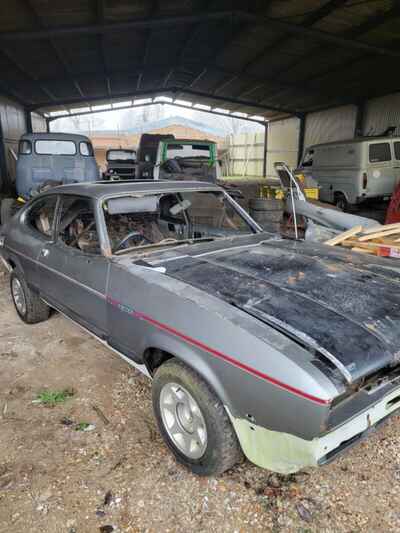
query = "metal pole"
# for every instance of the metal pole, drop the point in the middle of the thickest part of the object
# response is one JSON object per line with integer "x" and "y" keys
{"x": 265, "y": 150}
{"x": 4, "y": 185}
{"x": 359, "y": 125}
{"x": 28, "y": 121}
{"x": 302, "y": 131}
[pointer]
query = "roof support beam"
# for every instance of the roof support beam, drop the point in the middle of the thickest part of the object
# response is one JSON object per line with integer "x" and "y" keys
{"x": 99, "y": 11}
{"x": 372, "y": 23}
{"x": 38, "y": 21}
{"x": 173, "y": 90}
{"x": 317, "y": 15}
{"x": 27, "y": 74}
{"x": 244, "y": 16}
{"x": 132, "y": 106}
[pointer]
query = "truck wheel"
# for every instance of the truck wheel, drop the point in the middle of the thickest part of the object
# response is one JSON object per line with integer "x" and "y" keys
{"x": 193, "y": 421}
{"x": 30, "y": 308}
{"x": 9, "y": 207}
{"x": 341, "y": 202}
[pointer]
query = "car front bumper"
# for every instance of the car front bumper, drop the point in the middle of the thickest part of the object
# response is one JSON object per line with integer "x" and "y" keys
{"x": 286, "y": 454}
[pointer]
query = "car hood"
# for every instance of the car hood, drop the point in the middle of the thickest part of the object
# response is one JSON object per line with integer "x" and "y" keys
{"x": 333, "y": 302}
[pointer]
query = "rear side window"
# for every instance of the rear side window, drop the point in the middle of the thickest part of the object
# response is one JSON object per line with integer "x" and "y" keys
{"x": 397, "y": 150}
{"x": 52, "y": 147}
{"x": 40, "y": 216}
{"x": 85, "y": 149}
{"x": 379, "y": 152}
{"x": 25, "y": 147}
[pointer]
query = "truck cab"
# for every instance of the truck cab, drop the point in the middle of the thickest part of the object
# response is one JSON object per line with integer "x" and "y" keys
{"x": 45, "y": 160}
{"x": 165, "y": 157}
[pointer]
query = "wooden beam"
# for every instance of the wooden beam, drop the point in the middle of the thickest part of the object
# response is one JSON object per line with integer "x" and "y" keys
{"x": 339, "y": 239}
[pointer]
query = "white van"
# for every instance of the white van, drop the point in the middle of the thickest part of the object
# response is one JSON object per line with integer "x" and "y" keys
{"x": 350, "y": 172}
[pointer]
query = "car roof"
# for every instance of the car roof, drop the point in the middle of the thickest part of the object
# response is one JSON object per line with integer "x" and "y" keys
{"x": 106, "y": 189}
{"x": 54, "y": 137}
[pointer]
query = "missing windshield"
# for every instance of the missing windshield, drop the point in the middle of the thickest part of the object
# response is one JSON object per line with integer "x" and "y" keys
{"x": 148, "y": 221}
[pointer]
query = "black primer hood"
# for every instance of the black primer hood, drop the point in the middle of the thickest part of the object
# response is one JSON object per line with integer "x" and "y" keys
{"x": 331, "y": 300}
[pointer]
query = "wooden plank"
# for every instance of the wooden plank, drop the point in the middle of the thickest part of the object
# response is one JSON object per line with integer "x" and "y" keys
{"x": 344, "y": 236}
{"x": 373, "y": 245}
{"x": 376, "y": 229}
{"x": 363, "y": 250}
{"x": 379, "y": 234}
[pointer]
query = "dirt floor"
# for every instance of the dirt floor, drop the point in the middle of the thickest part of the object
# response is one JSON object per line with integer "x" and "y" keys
{"x": 120, "y": 476}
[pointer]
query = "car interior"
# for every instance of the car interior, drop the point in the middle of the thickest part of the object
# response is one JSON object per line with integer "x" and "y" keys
{"x": 132, "y": 222}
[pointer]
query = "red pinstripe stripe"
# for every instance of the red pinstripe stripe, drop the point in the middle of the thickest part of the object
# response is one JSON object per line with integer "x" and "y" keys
{"x": 227, "y": 358}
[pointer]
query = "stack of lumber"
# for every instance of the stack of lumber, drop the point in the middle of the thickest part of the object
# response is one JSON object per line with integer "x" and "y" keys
{"x": 379, "y": 240}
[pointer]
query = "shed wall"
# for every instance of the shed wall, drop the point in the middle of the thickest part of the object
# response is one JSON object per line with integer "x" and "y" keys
{"x": 337, "y": 124}
{"x": 282, "y": 144}
{"x": 13, "y": 125}
{"x": 381, "y": 113}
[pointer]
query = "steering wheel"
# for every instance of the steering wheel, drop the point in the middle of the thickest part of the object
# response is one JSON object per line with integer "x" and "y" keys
{"x": 133, "y": 234}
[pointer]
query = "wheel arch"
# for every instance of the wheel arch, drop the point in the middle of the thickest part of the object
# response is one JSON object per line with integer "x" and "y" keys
{"x": 158, "y": 353}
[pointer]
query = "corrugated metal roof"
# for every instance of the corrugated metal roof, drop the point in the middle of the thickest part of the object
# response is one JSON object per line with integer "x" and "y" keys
{"x": 268, "y": 58}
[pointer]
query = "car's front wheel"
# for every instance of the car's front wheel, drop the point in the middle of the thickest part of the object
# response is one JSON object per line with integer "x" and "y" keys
{"x": 30, "y": 308}
{"x": 193, "y": 421}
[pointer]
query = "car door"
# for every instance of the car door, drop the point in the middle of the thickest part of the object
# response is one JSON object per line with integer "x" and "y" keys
{"x": 381, "y": 174}
{"x": 396, "y": 166}
{"x": 33, "y": 232}
{"x": 74, "y": 270}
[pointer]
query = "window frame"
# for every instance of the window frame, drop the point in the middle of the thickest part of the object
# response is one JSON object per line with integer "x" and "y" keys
{"x": 394, "y": 150}
{"x": 99, "y": 221}
{"x": 381, "y": 160}
{"x": 28, "y": 210}
{"x": 56, "y": 140}
{"x": 255, "y": 227}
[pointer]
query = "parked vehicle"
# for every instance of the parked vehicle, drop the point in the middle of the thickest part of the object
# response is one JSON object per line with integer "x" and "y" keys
{"x": 287, "y": 351}
{"x": 351, "y": 172}
{"x": 121, "y": 164}
{"x": 164, "y": 157}
{"x": 49, "y": 159}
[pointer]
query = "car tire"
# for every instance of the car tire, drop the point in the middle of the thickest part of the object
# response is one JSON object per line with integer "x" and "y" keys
{"x": 342, "y": 203}
{"x": 8, "y": 208}
{"x": 30, "y": 308}
{"x": 183, "y": 400}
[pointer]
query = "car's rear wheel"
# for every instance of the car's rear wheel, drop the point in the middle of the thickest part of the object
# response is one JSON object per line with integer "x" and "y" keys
{"x": 341, "y": 202}
{"x": 30, "y": 308}
{"x": 193, "y": 421}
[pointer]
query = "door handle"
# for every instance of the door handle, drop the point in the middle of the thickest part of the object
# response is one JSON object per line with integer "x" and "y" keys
{"x": 45, "y": 252}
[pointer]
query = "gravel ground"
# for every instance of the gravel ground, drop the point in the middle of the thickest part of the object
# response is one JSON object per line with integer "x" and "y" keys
{"x": 120, "y": 476}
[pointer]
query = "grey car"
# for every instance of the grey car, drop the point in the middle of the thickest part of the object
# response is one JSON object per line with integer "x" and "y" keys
{"x": 284, "y": 351}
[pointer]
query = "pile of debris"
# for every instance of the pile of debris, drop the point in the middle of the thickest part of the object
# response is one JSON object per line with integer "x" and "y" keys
{"x": 383, "y": 241}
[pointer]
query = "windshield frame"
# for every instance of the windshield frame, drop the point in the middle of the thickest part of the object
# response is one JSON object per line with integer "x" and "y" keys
{"x": 140, "y": 250}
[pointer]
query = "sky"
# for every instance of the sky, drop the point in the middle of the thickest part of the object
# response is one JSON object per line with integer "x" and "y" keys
{"x": 120, "y": 120}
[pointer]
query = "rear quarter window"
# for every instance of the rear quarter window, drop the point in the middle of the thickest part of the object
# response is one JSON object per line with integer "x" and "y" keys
{"x": 85, "y": 149}
{"x": 41, "y": 216}
{"x": 379, "y": 153}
